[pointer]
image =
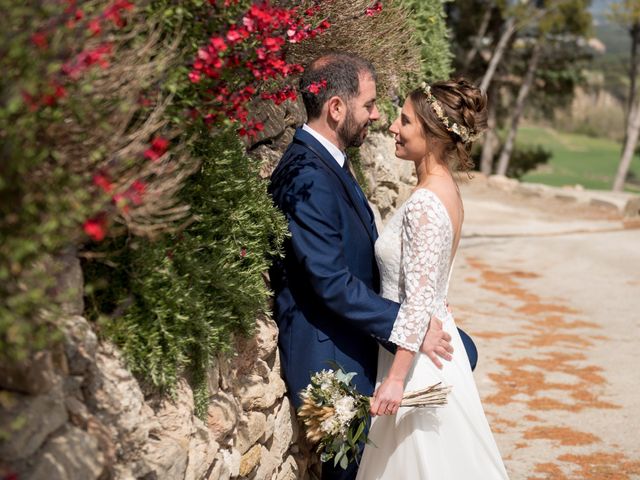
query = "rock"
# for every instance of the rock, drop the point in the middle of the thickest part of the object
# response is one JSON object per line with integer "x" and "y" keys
{"x": 268, "y": 465}
{"x": 386, "y": 199}
{"x": 30, "y": 420}
{"x": 250, "y": 429}
{"x": 289, "y": 470}
{"x": 232, "y": 459}
{"x": 255, "y": 394}
{"x": 115, "y": 396}
{"x": 72, "y": 453}
{"x": 202, "y": 452}
{"x": 69, "y": 281}
{"x": 213, "y": 378}
{"x": 285, "y": 423}
{"x": 80, "y": 344}
{"x": 269, "y": 427}
{"x": 266, "y": 337}
{"x": 220, "y": 470}
{"x": 249, "y": 460}
{"x": 222, "y": 415}
{"x": 177, "y": 437}
{"x": 33, "y": 376}
{"x": 167, "y": 457}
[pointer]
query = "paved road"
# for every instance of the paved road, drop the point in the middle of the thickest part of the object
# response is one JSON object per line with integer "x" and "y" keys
{"x": 551, "y": 294}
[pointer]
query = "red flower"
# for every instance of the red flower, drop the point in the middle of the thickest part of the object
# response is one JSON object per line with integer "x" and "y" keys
{"x": 151, "y": 155}
{"x": 316, "y": 87}
{"x": 235, "y": 34}
{"x": 139, "y": 186}
{"x": 273, "y": 43}
{"x": 59, "y": 91}
{"x": 103, "y": 182}
{"x": 373, "y": 10}
{"x": 194, "y": 76}
{"x": 243, "y": 252}
{"x": 96, "y": 227}
{"x": 159, "y": 143}
{"x": 39, "y": 39}
{"x": 30, "y": 101}
{"x": 113, "y": 12}
{"x": 159, "y": 146}
{"x": 94, "y": 26}
{"x": 218, "y": 43}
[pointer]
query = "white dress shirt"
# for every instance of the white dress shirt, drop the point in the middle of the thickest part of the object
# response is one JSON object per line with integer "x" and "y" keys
{"x": 335, "y": 152}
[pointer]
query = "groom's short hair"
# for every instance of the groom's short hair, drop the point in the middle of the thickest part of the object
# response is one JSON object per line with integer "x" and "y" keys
{"x": 332, "y": 74}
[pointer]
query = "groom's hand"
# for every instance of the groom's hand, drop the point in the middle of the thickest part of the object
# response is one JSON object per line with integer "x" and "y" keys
{"x": 436, "y": 343}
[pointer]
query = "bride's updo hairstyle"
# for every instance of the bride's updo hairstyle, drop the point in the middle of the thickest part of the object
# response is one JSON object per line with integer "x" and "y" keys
{"x": 455, "y": 112}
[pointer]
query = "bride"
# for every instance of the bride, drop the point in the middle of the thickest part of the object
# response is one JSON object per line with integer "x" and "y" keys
{"x": 415, "y": 253}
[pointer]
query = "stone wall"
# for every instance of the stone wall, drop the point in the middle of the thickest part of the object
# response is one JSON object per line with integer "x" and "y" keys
{"x": 77, "y": 413}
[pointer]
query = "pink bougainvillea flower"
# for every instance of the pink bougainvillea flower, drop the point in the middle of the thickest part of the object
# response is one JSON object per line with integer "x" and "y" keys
{"x": 96, "y": 227}
{"x": 373, "y": 10}
{"x": 94, "y": 26}
{"x": 113, "y": 12}
{"x": 159, "y": 146}
{"x": 218, "y": 43}
{"x": 136, "y": 191}
{"x": 194, "y": 76}
{"x": 316, "y": 87}
{"x": 151, "y": 154}
{"x": 102, "y": 181}
{"x": 39, "y": 39}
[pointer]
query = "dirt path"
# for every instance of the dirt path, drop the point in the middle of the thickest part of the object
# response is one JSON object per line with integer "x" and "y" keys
{"x": 557, "y": 321}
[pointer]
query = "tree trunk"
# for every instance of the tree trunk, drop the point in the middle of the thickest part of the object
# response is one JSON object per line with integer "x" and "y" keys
{"x": 633, "y": 130}
{"x": 634, "y": 64}
{"x": 509, "y": 29}
{"x": 482, "y": 31}
{"x": 525, "y": 88}
{"x": 490, "y": 138}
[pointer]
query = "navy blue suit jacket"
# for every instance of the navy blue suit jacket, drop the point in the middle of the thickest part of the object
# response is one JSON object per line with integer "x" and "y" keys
{"x": 326, "y": 287}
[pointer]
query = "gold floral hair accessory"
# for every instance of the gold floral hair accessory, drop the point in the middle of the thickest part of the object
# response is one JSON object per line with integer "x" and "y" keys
{"x": 463, "y": 132}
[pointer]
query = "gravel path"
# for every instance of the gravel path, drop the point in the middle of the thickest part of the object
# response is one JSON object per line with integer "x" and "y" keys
{"x": 551, "y": 294}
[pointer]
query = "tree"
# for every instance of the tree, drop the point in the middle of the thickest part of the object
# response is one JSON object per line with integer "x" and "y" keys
{"x": 633, "y": 129}
{"x": 627, "y": 14}
{"x": 568, "y": 18}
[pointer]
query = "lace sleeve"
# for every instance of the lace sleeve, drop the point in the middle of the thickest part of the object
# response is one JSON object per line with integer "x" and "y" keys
{"x": 425, "y": 240}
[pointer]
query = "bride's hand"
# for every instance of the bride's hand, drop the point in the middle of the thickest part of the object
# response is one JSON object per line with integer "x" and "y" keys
{"x": 437, "y": 343}
{"x": 387, "y": 398}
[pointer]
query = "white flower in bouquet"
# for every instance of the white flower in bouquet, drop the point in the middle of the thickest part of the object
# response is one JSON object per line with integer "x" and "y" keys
{"x": 336, "y": 415}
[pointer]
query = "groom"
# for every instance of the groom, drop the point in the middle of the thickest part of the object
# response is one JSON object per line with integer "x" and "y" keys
{"x": 326, "y": 288}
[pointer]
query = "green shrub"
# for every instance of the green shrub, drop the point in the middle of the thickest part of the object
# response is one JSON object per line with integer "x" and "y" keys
{"x": 428, "y": 21}
{"x": 173, "y": 304}
{"x": 523, "y": 159}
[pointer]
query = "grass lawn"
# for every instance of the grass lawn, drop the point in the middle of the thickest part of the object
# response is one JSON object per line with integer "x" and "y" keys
{"x": 577, "y": 159}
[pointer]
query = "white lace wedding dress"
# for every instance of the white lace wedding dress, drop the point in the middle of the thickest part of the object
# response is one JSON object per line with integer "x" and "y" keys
{"x": 453, "y": 442}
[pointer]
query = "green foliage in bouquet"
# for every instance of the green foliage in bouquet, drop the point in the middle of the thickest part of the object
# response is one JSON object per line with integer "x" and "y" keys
{"x": 335, "y": 415}
{"x": 174, "y": 303}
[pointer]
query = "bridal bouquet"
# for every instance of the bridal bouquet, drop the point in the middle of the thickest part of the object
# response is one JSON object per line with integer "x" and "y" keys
{"x": 336, "y": 415}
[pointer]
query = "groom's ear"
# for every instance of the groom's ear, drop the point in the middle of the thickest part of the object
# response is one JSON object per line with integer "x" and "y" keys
{"x": 336, "y": 108}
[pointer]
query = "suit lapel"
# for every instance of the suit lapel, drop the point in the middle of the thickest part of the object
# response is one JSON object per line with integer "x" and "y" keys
{"x": 329, "y": 163}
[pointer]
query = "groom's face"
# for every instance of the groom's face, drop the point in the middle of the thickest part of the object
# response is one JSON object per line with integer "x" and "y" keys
{"x": 361, "y": 111}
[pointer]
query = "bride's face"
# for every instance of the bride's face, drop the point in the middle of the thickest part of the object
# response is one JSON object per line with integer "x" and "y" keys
{"x": 411, "y": 142}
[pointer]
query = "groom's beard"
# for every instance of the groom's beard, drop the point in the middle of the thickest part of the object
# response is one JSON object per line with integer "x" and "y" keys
{"x": 350, "y": 133}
